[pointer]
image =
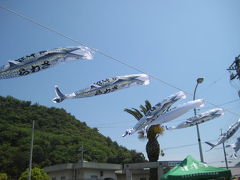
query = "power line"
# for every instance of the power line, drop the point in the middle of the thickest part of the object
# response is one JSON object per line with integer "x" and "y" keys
{"x": 79, "y": 42}
{"x": 116, "y": 60}
{"x": 214, "y": 162}
{"x": 223, "y": 104}
{"x": 215, "y": 81}
{"x": 229, "y": 102}
{"x": 102, "y": 53}
{"x": 186, "y": 145}
{"x": 177, "y": 147}
{"x": 41, "y": 25}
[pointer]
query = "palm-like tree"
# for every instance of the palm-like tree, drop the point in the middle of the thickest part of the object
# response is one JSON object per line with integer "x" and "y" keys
{"x": 152, "y": 146}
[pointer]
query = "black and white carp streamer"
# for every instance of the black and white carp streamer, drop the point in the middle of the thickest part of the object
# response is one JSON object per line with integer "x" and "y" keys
{"x": 156, "y": 111}
{"x": 169, "y": 115}
{"x": 104, "y": 87}
{"x": 198, "y": 119}
{"x": 235, "y": 147}
{"x": 225, "y": 136}
{"x": 42, "y": 60}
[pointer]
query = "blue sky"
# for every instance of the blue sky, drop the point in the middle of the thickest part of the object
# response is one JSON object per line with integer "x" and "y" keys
{"x": 175, "y": 41}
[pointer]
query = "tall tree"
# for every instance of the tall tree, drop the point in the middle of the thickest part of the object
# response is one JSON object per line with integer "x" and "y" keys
{"x": 37, "y": 174}
{"x": 3, "y": 176}
{"x": 152, "y": 146}
{"x": 57, "y": 139}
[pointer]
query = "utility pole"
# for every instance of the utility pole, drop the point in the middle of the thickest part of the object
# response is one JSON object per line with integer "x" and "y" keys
{"x": 31, "y": 153}
{"x": 199, "y": 80}
{"x": 224, "y": 151}
{"x": 82, "y": 150}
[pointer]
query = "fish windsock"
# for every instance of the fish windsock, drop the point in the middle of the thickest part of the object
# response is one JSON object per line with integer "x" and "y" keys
{"x": 235, "y": 147}
{"x": 105, "y": 86}
{"x": 177, "y": 112}
{"x": 155, "y": 112}
{"x": 158, "y": 110}
{"x": 164, "y": 106}
{"x": 43, "y": 60}
{"x": 147, "y": 121}
{"x": 200, "y": 118}
{"x": 227, "y": 135}
{"x": 222, "y": 138}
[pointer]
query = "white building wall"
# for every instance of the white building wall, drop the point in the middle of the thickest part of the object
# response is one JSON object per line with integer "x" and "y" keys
{"x": 90, "y": 174}
{"x": 59, "y": 175}
{"x": 109, "y": 174}
{"x": 134, "y": 177}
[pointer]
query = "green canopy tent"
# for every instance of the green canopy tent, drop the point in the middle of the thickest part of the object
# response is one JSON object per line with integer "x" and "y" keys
{"x": 190, "y": 168}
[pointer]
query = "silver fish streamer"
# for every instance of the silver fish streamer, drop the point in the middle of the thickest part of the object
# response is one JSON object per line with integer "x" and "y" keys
{"x": 235, "y": 147}
{"x": 198, "y": 119}
{"x": 155, "y": 112}
{"x": 43, "y": 60}
{"x": 170, "y": 115}
{"x": 104, "y": 87}
{"x": 225, "y": 136}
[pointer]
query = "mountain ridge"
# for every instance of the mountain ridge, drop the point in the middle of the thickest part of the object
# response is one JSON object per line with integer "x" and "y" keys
{"x": 57, "y": 138}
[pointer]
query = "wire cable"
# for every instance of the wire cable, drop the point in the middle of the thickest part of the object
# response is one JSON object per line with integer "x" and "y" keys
{"x": 185, "y": 145}
{"x": 229, "y": 102}
{"x": 41, "y": 25}
{"x": 215, "y": 81}
{"x": 102, "y": 53}
{"x": 221, "y": 105}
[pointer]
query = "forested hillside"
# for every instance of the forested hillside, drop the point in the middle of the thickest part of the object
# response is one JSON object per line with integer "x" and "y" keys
{"x": 58, "y": 137}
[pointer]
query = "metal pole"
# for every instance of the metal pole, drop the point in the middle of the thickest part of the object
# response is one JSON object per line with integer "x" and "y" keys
{"x": 82, "y": 151}
{"x": 198, "y": 133}
{"x": 82, "y": 154}
{"x": 224, "y": 151}
{"x": 31, "y": 153}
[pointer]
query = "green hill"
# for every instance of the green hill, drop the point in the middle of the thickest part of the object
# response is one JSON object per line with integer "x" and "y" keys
{"x": 58, "y": 137}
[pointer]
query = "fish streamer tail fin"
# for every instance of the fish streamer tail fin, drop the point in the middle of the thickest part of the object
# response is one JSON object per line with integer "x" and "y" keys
{"x": 210, "y": 144}
{"x": 234, "y": 155}
{"x": 170, "y": 128}
{"x": 128, "y": 132}
{"x": 85, "y": 52}
{"x": 60, "y": 96}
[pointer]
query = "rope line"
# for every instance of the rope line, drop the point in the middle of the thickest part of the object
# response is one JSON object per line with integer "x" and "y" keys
{"x": 229, "y": 102}
{"x": 41, "y": 25}
{"x": 103, "y": 54}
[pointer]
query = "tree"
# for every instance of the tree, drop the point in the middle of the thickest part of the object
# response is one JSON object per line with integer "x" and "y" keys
{"x": 37, "y": 174}
{"x": 57, "y": 139}
{"x": 152, "y": 146}
{"x": 3, "y": 176}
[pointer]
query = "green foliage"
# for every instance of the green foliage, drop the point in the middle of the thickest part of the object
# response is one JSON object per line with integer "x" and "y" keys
{"x": 58, "y": 137}
{"x": 3, "y": 176}
{"x": 152, "y": 146}
{"x": 36, "y": 174}
{"x": 154, "y": 131}
{"x": 134, "y": 112}
{"x": 138, "y": 114}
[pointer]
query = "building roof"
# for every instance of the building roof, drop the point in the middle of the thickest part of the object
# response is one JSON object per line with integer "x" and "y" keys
{"x": 82, "y": 165}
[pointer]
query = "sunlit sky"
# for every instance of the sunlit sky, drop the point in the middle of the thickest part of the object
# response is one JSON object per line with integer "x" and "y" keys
{"x": 175, "y": 41}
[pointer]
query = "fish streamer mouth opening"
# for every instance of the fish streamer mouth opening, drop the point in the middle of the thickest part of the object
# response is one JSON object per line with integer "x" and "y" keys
{"x": 182, "y": 95}
{"x": 85, "y": 52}
{"x": 128, "y": 132}
{"x": 57, "y": 100}
{"x": 144, "y": 78}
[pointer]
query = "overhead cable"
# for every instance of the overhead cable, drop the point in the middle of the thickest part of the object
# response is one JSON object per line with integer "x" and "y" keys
{"x": 102, "y": 53}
